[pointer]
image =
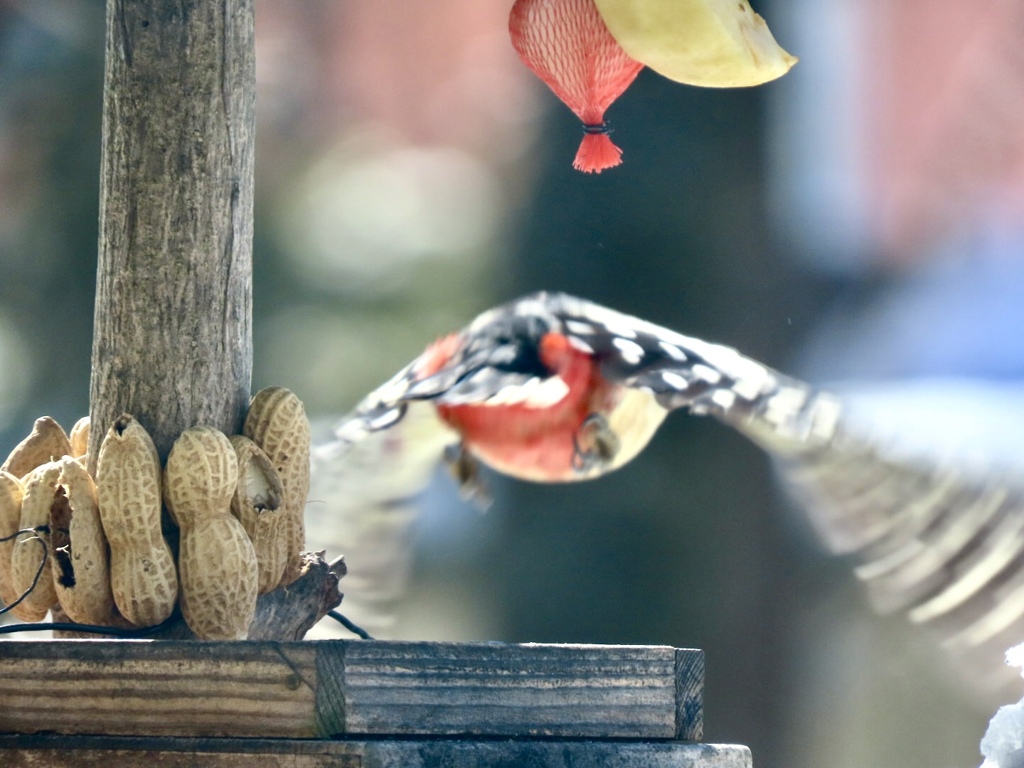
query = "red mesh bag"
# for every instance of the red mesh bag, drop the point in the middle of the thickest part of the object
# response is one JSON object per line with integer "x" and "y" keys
{"x": 568, "y": 46}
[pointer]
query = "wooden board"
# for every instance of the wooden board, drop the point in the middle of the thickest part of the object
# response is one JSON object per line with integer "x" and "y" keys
{"x": 99, "y": 752}
{"x": 323, "y": 689}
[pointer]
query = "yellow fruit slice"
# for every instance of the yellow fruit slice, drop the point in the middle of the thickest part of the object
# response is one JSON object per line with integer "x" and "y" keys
{"x": 713, "y": 43}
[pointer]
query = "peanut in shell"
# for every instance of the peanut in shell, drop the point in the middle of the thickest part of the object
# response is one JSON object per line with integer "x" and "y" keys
{"x": 81, "y": 572}
{"x": 31, "y": 560}
{"x": 79, "y": 438}
{"x": 47, "y": 442}
{"x": 143, "y": 577}
{"x": 277, "y": 423}
{"x": 11, "y": 493}
{"x": 256, "y": 504}
{"x": 217, "y": 562}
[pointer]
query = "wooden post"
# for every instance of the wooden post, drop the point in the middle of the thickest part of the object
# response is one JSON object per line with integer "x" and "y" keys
{"x": 172, "y": 340}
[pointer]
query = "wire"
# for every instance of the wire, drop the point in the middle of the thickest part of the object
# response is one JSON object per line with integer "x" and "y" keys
{"x": 68, "y": 626}
{"x": 42, "y": 563}
{"x": 353, "y": 628}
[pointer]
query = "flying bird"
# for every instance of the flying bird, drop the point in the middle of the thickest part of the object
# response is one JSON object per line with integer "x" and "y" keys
{"x": 554, "y": 388}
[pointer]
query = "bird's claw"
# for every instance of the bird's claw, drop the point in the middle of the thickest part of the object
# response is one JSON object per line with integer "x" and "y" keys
{"x": 465, "y": 469}
{"x": 594, "y": 444}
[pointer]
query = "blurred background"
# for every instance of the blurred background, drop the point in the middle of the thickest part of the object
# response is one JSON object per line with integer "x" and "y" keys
{"x": 857, "y": 222}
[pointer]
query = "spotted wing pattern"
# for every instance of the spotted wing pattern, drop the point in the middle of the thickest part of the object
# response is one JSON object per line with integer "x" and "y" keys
{"x": 488, "y": 359}
{"x": 932, "y": 539}
{"x": 498, "y": 353}
{"x": 938, "y": 541}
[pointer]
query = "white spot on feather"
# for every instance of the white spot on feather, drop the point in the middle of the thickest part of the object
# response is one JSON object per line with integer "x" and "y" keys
{"x": 723, "y": 398}
{"x": 708, "y": 374}
{"x": 579, "y": 327}
{"x": 510, "y": 395}
{"x": 675, "y": 380}
{"x": 750, "y": 388}
{"x": 632, "y": 352}
{"x": 385, "y": 419}
{"x": 547, "y": 393}
{"x": 581, "y": 345}
{"x": 533, "y": 393}
{"x": 672, "y": 351}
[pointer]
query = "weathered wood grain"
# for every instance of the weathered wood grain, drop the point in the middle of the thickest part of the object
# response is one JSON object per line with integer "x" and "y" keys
{"x": 689, "y": 695}
{"x": 172, "y": 339}
{"x": 346, "y": 688}
{"x": 139, "y": 687}
{"x": 515, "y": 690}
{"x": 46, "y": 751}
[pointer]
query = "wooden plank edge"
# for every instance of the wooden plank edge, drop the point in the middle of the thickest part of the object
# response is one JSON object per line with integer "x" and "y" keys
{"x": 689, "y": 694}
{"x": 88, "y": 751}
{"x": 322, "y": 689}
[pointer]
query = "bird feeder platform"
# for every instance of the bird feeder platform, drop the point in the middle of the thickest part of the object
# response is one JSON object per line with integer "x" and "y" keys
{"x": 353, "y": 703}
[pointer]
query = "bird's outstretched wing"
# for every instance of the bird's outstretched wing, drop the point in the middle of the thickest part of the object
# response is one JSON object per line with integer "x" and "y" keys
{"x": 939, "y": 541}
{"x": 932, "y": 538}
{"x": 363, "y": 503}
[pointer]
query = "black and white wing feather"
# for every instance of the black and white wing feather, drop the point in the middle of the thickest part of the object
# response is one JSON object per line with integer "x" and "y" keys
{"x": 684, "y": 372}
{"x": 937, "y": 540}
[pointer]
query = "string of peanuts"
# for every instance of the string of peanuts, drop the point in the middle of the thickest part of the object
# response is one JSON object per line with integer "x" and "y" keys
{"x": 237, "y": 504}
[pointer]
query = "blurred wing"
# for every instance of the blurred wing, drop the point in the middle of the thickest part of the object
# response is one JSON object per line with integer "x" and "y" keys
{"x": 934, "y": 536}
{"x": 363, "y": 501}
{"x": 379, "y": 410}
{"x": 938, "y": 534}
{"x": 365, "y": 481}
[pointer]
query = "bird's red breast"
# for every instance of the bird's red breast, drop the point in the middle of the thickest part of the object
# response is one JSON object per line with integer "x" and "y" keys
{"x": 533, "y": 434}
